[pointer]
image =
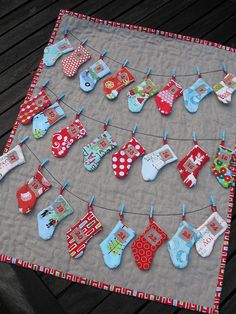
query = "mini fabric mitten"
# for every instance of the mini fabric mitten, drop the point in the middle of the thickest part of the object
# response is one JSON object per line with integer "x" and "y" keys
{"x": 94, "y": 151}
{"x": 79, "y": 235}
{"x": 191, "y": 164}
{"x": 138, "y": 95}
{"x": 167, "y": 96}
{"x": 145, "y": 245}
{"x": 33, "y": 106}
{"x": 115, "y": 83}
{"x": 210, "y": 231}
{"x": 180, "y": 245}
{"x": 49, "y": 217}
{"x": 45, "y": 119}
{"x": 71, "y": 63}
{"x": 66, "y": 137}
{"x": 28, "y": 194}
{"x": 55, "y": 51}
{"x": 125, "y": 157}
{"x": 225, "y": 89}
{"x": 90, "y": 76}
{"x": 152, "y": 163}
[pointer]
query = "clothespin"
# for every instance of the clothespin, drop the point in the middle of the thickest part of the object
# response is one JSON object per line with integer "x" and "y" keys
{"x": 43, "y": 164}
{"x": 151, "y": 213}
{"x": 183, "y": 212}
{"x": 66, "y": 31}
{"x": 125, "y": 63}
{"x": 83, "y": 43}
{"x": 194, "y": 138}
{"x": 60, "y": 97}
{"x": 173, "y": 74}
{"x": 24, "y": 139}
{"x": 121, "y": 211}
{"x": 134, "y": 130}
{"x": 64, "y": 186}
{"x": 79, "y": 112}
{"x": 213, "y": 205}
{"x": 90, "y": 203}
{"x": 148, "y": 73}
{"x": 222, "y": 138}
{"x": 106, "y": 123}
{"x": 165, "y": 134}
{"x": 45, "y": 84}
{"x": 198, "y": 72}
{"x": 224, "y": 68}
{"x": 105, "y": 52}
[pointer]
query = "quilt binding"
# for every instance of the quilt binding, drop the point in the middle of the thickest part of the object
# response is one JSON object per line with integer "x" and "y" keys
{"x": 98, "y": 284}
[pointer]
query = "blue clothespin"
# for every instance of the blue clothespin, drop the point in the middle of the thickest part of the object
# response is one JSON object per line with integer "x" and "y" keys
{"x": 61, "y": 96}
{"x": 44, "y": 162}
{"x": 198, "y": 71}
{"x": 121, "y": 211}
{"x": 125, "y": 63}
{"x": 212, "y": 200}
{"x": 151, "y": 212}
{"x": 149, "y": 71}
{"x": 105, "y": 52}
{"x": 66, "y": 30}
{"x": 134, "y": 129}
{"x": 194, "y": 136}
{"x": 83, "y": 43}
{"x": 183, "y": 211}
{"x": 24, "y": 139}
{"x": 107, "y": 121}
{"x": 222, "y": 136}
{"x": 165, "y": 134}
{"x": 91, "y": 200}
{"x": 64, "y": 186}
{"x": 46, "y": 83}
{"x": 80, "y": 111}
{"x": 224, "y": 68}
{"x": 173, "y": 74}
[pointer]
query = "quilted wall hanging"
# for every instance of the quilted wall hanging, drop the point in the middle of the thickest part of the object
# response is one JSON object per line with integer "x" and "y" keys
{"x": 147, "y": 233}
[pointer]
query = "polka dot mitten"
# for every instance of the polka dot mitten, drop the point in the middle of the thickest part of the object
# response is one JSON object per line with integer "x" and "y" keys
{"x": 180, "y": 245}
{"x": 12, "y": 159}
{"x": 210, "y": 230}
{"x": 28, "y": 194}
{"x": 55, "y": 51}
{"x": 115, "y": 83}
{"x": 33, "y": 106}
{"x": 66, "y": 137}
{"x": 90, "y": 76}
{"x": 71, "y": 63}
{"x": 168, "y": 95}
{"x": 115, "y": 243}
{"x": 49, "y": 217}
{"x": 97, "y": 149}
{"x": 191, "y": 164}
{"x": 79, "y": 235}
{"x": 225, "y": 89}
{"x": 152, "y": 163}
{"x": 195, "y": 94}
{"x": 138, "y": 95}
{"x": 126, "y": 156}
{"x": 145, "y": 246}
{"x": 45, "y": 119}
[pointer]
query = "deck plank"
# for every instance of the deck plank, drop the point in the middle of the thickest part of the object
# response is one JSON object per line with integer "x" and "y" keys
{"x": 6, "y": 6}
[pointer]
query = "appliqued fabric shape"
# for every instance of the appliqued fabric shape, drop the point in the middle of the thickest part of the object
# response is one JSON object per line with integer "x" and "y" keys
{"x": 66, "y": 137}
{"x": 152, "y": 163}
{"x": 47, "y": 118}
{"x": 115, "y": 83}
{"x": 33, "y": 106}
{"x": 72, "y": 63}
{"x": 49, "y": 217}
{"x": 79, "y": 235}
{"x": 94, "y": 151}
{"x": 28, "y": 194}
{"x": 225, "y": 89}
{"x": 181, "y": 244}
{"x": 210, "y": 231}
{"x": 126, "y": 156}
{"x": 90, "y": 76}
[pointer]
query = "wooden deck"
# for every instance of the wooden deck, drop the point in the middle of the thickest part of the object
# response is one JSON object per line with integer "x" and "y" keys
{"x": 25, "y": 27}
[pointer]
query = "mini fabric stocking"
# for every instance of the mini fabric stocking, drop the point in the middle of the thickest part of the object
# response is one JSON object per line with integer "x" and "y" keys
{"x": 140, "y": 94}
{"x": 10, "y": 160}
{"x": 225, "y": 88}
{"x": 50, "y": 217}
{"x": 222, "y": 166}
{"x": 66, "y": 137}
{"x": 28, "y": 194}
{"x": 55, "y": 51}
{"x": 45, "y": 119}
{"x": 115, "y": 83}
{"x": 90, "y": 76}
{"x": 180, "y": 245}
{"x": 79, "y": 235}
{"x": 124, "y": 158}
{"x": 191, "y": 164}
{"x": 97, "y": 149}
{"x": 75, "y": 60}
{"x": 210, "y": 230}
{"x": 115, "y": 243}
{"x": 145, "y": 246}
{"x": 167, "y": 96}
{"x": 195, "y": 94}
{"x": 153, "y": 162}
{"x": 31, "y": 107}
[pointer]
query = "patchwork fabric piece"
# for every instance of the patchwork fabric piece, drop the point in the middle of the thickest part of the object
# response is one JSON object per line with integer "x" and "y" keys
{"x": 55, "y": 51}
{"x": 45, "y": 119}
{"x": 145, "y": 246}
{"x": 11, "y": 160}
{"x": 195, "y": 94}
{"x": 90, "y": 76}
{"x": 51, "y": 216}
{"x": 225, "y": 89}
{"x": 222, "y": 166}
{"x": 138, "y": 95}
{"x": 115, "y": 83}
{"x": 167, "y": 96}
{"x": 66, "y": 137}
{"x": 115, "y": 243}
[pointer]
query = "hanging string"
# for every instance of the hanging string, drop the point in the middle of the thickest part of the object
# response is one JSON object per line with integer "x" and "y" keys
{"x": 128, "y": 130}
{"x": 140, "y": 71}
{"x": 107, "y": 208}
